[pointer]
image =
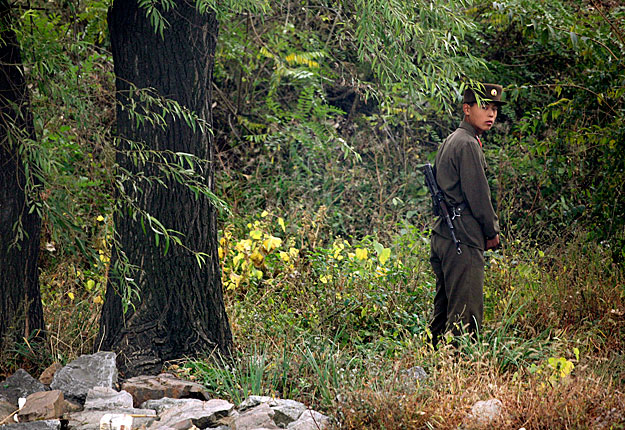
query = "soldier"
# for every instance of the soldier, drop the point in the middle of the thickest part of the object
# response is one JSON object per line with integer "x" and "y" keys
{"x": 460, "y": 173}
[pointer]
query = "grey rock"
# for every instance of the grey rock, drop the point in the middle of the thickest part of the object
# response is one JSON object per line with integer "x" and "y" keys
{"x": 486, "y": 411}
{"x": 183, "y": 425}
{"x": 417, "y": 373}
{"x": 159, "y": 405}
{"x": 35, "y": 425}
{"x": 286, "y": 411}
{"x": 84, "y": 373}
{"x": 166, "y": 401}
{"x": 310, "y": 420}
{"x": 104, "y": 399}
{"x": 253, "y": 401}
{"x": 258, "y": 417}
{"x": 90, "y": 420}
{"x": 44, "y": 405}
{"x": 201, "y": 413}
{"x": 20, "y": 384}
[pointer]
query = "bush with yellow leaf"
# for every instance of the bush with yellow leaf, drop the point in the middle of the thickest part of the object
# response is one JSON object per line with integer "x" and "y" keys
{"x": 360, "y": 286}
{"x": 256, "y": 254}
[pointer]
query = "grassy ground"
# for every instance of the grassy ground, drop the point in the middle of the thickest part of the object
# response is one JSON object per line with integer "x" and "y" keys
{"x": 336, "y": 321}
{"x": 336, "y": 326}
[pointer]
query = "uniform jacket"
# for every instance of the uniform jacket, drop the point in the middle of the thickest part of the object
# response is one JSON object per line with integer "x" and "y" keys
{"x": 460, "y": 173}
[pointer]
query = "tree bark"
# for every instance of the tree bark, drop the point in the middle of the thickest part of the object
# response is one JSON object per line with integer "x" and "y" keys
{"x": 21, "y": 311}
{"x": 181, "y": 310}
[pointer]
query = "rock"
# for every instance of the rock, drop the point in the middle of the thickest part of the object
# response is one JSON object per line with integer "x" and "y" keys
{"x": 200, "y": 413}
{"x": 44, "y": 405}
{"x": 258, "y": 417}
{"x": 183, "y": 425}
{"x": 415, "y": 373}
{"x": 84, "y": 373}
{"x": 486, "y": 411}
{"x": 409, "y": 379}
{"x": 20, "y": 384}
{"x": 116, "y": 421}
{"x": 48, "y": 374}
{"x": 285, "y": 411}
{"x": 310, "y": 420}
{"x": 143, "y": 388}
{"x": 159, "y": 405}
{"x": 167, "y": 403}
{"x": 90, "y": 420}
{"x": 6, "y": 409}
{"x": 252, "y": 402}
{"x": 104, "y": 399}
{"x": 71, "y": 406}
{"x": 35, "y": 425}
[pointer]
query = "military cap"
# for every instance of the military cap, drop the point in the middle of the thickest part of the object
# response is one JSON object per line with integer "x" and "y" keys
{"x": 491, "y": 93}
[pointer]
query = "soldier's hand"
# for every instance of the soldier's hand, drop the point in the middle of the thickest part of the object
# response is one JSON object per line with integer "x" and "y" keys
{"x": 492, "y": 243}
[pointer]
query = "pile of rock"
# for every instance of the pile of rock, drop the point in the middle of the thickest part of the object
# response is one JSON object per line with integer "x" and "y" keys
{"x": 83, "y": 396}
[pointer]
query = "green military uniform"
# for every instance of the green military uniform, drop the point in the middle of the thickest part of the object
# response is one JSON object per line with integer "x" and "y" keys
{"x": 460, "y": 173}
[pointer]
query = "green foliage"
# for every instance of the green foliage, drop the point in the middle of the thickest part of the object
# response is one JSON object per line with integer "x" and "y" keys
{"x": 297, "y": 340}
{"x": 561, "y": 166}
{"x": 339, "y": 284}
{"x": 68, "y": 182}
{"x": 311, "y": 101}
{"x": 419, "y": 46}
{"x": 286, "y": 375}
{"x": 154, "y": 12}
{"x": 223, "y": 9}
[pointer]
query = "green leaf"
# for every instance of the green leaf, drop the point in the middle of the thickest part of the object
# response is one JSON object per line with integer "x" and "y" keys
{"x": 384, "y": 256}
{"x": 166, "y": 245}
{"x": 377, "y": 246}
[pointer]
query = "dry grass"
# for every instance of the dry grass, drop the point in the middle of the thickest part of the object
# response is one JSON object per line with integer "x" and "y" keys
{"x": 571, "y": 301}
{"x": 444, "y": 400}
{"x": 71, "y": 315}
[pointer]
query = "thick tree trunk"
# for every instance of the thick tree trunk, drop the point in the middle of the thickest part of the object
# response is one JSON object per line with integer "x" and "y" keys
{"x": 181, "y": 310}
{"x": 21, "y": 313}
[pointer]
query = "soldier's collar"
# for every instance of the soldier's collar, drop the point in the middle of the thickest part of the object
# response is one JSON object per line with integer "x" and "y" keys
{"x": 468, "y": 127}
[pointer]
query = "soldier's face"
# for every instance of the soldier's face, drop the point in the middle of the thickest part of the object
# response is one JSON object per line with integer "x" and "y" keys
{"x": 481, "y": 117}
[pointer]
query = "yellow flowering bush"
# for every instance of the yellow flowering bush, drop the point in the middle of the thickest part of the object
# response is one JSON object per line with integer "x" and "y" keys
{"x": 259, "y": 252}
{"x": 263, "y": 251}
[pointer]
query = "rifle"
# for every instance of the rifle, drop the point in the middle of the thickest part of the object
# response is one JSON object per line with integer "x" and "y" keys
{"x": 439, "y": 204}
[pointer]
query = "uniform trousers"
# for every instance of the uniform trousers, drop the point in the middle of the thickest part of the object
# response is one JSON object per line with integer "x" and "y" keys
{"x": 459, "y": 300}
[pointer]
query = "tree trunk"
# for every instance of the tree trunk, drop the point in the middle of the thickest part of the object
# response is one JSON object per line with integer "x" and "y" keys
{"x": 21, "y": 312}
{"x": 181, "y": 310}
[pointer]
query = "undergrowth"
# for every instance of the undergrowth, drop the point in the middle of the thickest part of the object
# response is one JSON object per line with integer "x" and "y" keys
{"x": 336, "y": 323}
